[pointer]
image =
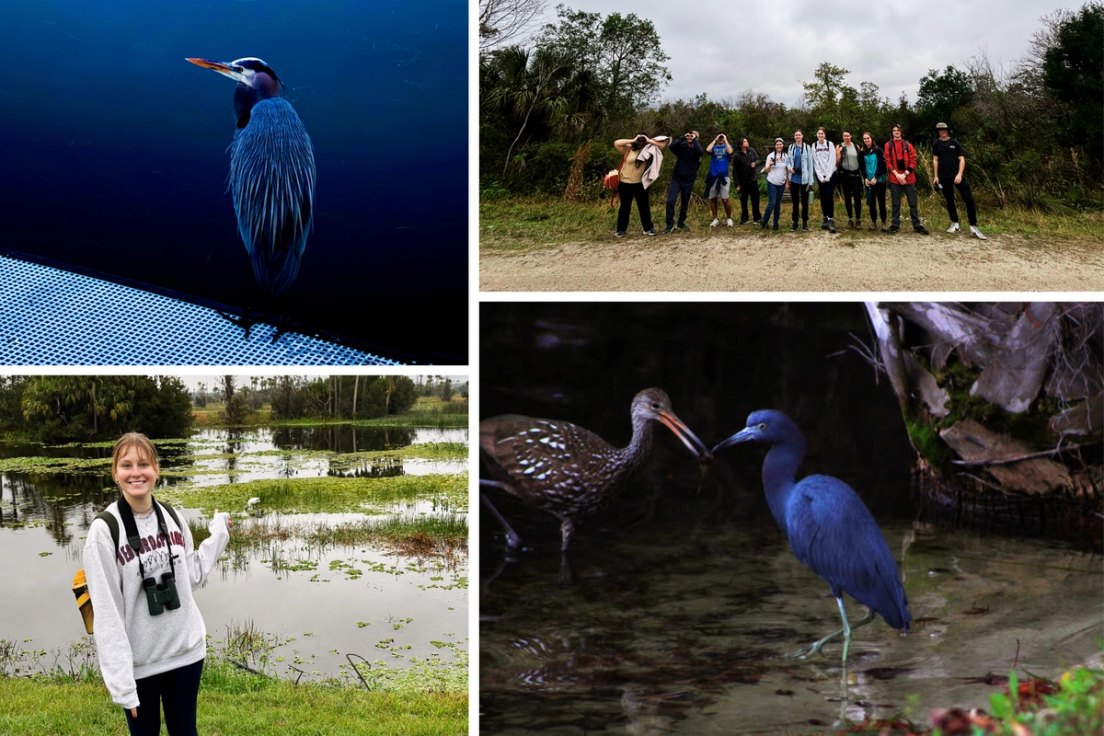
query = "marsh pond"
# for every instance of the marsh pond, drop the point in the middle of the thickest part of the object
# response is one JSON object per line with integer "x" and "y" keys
{"x": 355, "y": 553}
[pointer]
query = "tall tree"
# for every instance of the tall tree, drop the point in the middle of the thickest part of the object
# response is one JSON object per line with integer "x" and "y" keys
{"x": 1073, "y": 72}
{"x": 623, "y": 52}
{"x": 503, "y": 22}
{"x": 941, "y": 94}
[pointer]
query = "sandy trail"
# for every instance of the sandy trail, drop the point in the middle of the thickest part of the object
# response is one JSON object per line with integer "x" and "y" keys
{"x": 745, "y": 260}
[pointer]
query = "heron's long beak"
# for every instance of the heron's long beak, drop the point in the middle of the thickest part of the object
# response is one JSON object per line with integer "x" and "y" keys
{"x": 222, "y": 68}
{"x": 744, "y": 435}
{"x": 688, "y": 438}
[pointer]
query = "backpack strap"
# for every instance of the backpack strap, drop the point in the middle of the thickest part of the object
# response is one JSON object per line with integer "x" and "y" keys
{"x": 112, "y": 525}
{"x": 172, "y": 513}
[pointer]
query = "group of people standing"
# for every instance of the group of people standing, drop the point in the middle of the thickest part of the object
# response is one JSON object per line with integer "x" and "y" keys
{"x": 855, "y": 169}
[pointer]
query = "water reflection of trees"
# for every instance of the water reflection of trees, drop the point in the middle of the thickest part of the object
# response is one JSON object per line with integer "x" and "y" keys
{"x": 343, "y": 438}
{"x": 388, "y": 467}
{"x": 62, "y": 500}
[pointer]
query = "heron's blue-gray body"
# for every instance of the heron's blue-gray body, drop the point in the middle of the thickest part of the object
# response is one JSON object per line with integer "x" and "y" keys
{"x": 272, "y": 178}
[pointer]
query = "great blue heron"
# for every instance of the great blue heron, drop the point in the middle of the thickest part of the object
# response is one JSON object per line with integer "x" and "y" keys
{"x": 272, "y": 173}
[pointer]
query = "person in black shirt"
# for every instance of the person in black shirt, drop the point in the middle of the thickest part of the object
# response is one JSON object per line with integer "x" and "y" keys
{"x": 689, "y": 152}
{"x": 950, "y": 165}
{"x": 747, "y": 183}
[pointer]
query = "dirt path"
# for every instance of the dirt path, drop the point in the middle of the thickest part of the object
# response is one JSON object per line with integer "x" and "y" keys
{"x": 817, "y": 261}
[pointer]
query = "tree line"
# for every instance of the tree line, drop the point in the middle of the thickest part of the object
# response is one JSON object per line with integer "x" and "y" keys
{"x": 333, "y": 397}
{"x": 551, "y": 109}
{"x": 89, "y": 408}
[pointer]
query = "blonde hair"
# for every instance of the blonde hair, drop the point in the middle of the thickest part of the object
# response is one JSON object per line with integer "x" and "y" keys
{"x": 139, "y": 441}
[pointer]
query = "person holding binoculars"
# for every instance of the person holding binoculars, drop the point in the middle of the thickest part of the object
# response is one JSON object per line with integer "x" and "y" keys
{"x": 149, "y": 634}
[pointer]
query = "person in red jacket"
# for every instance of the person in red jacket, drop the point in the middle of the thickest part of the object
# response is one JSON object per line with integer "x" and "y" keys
{"x": 900, "y": 161}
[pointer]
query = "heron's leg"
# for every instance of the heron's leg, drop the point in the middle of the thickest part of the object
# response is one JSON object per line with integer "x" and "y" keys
{"x": 513, "y": 541}
{"x": 815, "y": 647}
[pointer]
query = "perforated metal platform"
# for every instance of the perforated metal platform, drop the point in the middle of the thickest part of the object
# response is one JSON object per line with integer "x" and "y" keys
{"x": 53, "y": 317}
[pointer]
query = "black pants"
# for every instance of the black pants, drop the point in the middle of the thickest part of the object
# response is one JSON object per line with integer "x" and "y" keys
{"x": 178, "y": 691}
{"x": 749, "y": 189}
{"x": 827, "y": 201}
{"x": 967, "y": 199}
{"x": 677, "y": 187}
{"x": 875, "y": 201}
{"x": 852, "y": 186}
{"x": 799, "y": 193}
{"x": 629, "y": 192}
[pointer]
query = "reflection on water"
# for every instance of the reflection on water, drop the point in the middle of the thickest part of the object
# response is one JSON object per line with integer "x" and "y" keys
{"x": 673, "y": 629}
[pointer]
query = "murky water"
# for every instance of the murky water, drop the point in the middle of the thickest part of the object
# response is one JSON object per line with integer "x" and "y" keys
{"x": 324, "y": 602}
{"x": 684, "y": 629}
{"x": 687, "y": 598}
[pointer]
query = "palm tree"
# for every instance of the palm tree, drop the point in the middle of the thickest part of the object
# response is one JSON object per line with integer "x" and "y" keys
{"x": 538, "y": 86}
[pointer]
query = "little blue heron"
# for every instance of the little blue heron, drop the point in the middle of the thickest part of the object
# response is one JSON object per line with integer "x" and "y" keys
{"x": 567, "y": 470}
{"x": 829, "y": 527}
{"x": 272, "y": 173}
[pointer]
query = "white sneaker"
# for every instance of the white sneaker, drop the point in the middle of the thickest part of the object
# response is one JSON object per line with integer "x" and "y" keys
{"x": 715, "y": 222}
{"x": 954, "y": 228}
{"x": 730, "y": 222}
{"x": 977, "y": 233}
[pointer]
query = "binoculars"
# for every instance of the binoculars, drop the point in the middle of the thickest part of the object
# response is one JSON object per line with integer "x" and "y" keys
{"x": 160, "y": 596}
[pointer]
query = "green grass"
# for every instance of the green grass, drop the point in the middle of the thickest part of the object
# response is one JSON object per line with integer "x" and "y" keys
{"x": 232, "y": 703}
{"x": 323, "y": 495}
{"x": 521, "y": 223}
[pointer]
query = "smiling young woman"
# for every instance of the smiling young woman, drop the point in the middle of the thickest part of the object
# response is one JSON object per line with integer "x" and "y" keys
{"x": 150, "y": 637}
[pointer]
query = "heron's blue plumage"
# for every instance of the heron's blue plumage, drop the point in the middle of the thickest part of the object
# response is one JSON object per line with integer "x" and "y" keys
{"x": 272, "y": 178}
{"x": 829, "y": 527}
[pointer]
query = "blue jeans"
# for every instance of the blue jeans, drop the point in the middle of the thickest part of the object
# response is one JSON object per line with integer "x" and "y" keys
{"x": 678, "y": 187}
{"x": 774, "y": 201}
{"x": 178, "y": 691}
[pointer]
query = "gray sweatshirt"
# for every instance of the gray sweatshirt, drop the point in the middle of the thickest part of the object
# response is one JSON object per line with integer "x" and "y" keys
{"x": 130, "y": 643}
{"x": 824, "y": 159}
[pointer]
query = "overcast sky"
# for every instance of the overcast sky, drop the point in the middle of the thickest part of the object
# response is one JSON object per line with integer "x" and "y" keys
{"x": 723, "y": 48}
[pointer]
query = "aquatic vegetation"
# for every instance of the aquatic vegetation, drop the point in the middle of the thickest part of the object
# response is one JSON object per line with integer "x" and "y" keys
{"x": 324, "y": 495}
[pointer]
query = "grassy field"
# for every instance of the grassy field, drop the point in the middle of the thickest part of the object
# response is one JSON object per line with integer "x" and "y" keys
{"x": 232, "y": 702}
{"x": 523, "y": 223}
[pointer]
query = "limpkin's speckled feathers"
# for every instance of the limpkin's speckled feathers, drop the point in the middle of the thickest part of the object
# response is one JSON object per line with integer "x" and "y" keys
{"x": 566, "y": 469}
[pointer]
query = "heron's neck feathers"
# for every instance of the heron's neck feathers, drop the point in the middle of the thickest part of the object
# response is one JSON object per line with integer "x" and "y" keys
{"x": 779, "y": 471}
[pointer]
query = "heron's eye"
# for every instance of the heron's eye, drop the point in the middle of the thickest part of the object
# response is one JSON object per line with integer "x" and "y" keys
{"x": 762, "y": 426}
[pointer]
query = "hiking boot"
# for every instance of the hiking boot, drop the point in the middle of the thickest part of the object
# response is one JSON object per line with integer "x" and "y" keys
{"x": 793, "y": 227}
{"x": 977, "y": 233}
{"x": 730, "y": 222}
{"x": 884, "y": 229}
{"x": 804, "y": 226}
{"x": 620, "y": 233}
{"x": 832, "y": 225}
{"x": 651, "y": 232}
{"x": 893, "y": 229}
{"x": 850, "y": 224}
{"x": 921, "y": 230}
{"x": 954, "y": 228}
{"x": 683, "y": 226}
{"x": 763, "y": 224}
{"x": 744, "y": 221}
{"x": 668, "y": 230}
{"x": 775, "y": 226}
{"x": 824, "y": 224}
{"x": 873, "y": 227}
{"x": 715, "y": 222}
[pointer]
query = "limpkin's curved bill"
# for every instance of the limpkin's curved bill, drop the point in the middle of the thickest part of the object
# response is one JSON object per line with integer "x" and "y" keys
{"x": 688, "y": 438}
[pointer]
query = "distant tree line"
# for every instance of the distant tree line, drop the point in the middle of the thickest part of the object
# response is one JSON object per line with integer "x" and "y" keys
{"x": 87, "y": 408}
{"x": 334, "y": 397}
{"x": 550, "y": 110}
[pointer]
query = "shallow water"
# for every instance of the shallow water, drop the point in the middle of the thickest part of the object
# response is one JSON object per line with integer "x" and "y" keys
{"x": 669, "y": 629}
{"x": 326, "y": 601}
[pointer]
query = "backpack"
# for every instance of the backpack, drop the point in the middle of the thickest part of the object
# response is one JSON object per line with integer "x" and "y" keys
{"x": 80, "y": 585}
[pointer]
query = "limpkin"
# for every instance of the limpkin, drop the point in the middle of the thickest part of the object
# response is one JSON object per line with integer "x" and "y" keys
{"x": 567, "y": 470}
{"x": 829, "y": 528}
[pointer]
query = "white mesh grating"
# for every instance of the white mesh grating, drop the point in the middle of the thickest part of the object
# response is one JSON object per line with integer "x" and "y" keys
{"x": 54, "y": 317}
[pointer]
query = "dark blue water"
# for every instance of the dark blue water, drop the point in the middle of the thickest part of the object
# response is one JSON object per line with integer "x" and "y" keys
{"x": 114, "y": 151}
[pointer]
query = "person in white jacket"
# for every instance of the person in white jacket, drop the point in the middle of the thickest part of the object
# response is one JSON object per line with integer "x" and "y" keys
{"x": 150, "y": 637}
{"x": 825, "y": 160}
